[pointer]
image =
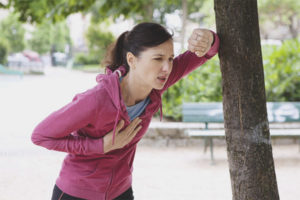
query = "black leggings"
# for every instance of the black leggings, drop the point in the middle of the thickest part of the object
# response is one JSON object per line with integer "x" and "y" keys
{"x": 60, "y": 195}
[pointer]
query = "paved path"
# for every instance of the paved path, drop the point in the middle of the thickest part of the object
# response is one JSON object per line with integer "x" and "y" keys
{"x": 28, "y": 172}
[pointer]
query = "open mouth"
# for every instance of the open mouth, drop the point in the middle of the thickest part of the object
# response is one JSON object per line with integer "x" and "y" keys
{"x": 162, "y": 78}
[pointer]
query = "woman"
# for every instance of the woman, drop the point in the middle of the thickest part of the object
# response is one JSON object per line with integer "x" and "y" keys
{"x": 101, "y": 127}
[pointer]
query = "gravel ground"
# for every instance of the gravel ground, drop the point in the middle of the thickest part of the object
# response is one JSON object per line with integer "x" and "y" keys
{"x": 28, "y": 172}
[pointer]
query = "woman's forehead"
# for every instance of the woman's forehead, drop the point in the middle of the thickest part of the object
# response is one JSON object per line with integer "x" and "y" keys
{"x": 163, "y": 49}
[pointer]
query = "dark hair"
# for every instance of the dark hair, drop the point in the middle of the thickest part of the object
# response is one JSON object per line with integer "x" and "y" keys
{"x": 141, "y": 37}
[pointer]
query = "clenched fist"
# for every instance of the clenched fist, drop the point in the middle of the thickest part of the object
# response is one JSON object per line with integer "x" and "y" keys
{"x": 200, "y": 41}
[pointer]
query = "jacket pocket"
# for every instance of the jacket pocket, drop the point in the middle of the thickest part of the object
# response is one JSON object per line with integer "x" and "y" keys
{"x": 87, "y": 173}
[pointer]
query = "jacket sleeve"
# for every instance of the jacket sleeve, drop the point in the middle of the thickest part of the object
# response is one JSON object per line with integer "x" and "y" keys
{"x": 55, "y": 132}
{"x": 187, "y": 62}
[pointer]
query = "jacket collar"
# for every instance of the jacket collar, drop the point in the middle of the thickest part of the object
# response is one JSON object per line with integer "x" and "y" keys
{"x": 112, "y": 86}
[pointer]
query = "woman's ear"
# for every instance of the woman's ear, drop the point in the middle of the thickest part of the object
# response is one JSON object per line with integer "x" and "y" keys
{"x": 131, "y": 59}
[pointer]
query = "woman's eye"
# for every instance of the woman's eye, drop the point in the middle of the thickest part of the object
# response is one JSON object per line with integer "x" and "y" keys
{"x": 159, "y": 59}
{"x": 171, "y": 59}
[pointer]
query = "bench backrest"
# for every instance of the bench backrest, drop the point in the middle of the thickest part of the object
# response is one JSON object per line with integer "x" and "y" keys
{"x": 213, "y": 112}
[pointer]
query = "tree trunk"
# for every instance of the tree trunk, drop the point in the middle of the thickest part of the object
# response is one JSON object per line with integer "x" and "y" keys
{"x": 293, "y": 26}
{"x": 149, "y": 9}
{"x": 184, "y": 21}
{"x": 249, "y": 147}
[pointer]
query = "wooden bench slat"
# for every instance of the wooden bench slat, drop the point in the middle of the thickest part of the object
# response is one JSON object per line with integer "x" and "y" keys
{"x": 221, "y": 133}
{"x": 213, "y": 112}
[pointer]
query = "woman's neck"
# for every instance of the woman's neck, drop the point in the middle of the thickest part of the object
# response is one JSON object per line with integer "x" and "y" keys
{"x": 132, "y": 90}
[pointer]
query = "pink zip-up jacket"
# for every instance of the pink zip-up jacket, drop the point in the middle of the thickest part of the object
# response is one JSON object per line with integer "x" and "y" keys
{"x": 78, "y": 128}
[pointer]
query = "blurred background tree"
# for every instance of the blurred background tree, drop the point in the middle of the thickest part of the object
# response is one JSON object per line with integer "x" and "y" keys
{"x": 98, "y": 40}
{"x": 3, "y": 51}
{"x": 12, "y": 32}
{"x": 47, "y": 35}
{"x": 50, "y": 38}
{"x": 278, "y": 14}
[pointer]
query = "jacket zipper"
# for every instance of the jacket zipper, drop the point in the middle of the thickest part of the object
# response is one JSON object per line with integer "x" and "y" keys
{"x": 110, "y": 183}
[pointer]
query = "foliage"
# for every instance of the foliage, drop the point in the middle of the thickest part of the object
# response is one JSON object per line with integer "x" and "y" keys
{"x": 13, "y": 33}
{"x": 48, "y": 35}
{"x": 139, "y": 10}
{"x": 92, "y": 68}
{"x": 142, "y": 10}
{"x": 41, "y": 40}
{"x": 287, "y": 14}
{"x": 55, "y": 10}
{"x": 84, "y": 59}
{"x": 98, "y": 41}
{"x": 205, "y": 10}
{"x": 283, "y": 9}
{"x": 3, "y": 51}
{"x": 282, "y": 80}
{"x": 282, "y": 72}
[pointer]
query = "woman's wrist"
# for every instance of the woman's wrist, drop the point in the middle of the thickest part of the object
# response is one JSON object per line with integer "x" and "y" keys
{"x": 213, "y": 38}
{"x": 106, "y": 143}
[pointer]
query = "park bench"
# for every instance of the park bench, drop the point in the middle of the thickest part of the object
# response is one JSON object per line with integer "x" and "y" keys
{"x": 207, "y": 113}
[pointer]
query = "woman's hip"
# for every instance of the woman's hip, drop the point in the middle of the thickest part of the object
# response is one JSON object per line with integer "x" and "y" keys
{"x": 58, "y": 194}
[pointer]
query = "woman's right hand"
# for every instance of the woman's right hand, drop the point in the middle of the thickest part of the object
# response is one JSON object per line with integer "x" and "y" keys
{"x": 200, "y": 41}
{"x": 123, "y": 137}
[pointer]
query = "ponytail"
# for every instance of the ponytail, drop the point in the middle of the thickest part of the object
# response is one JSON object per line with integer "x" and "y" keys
{"x": 116, "y": 54}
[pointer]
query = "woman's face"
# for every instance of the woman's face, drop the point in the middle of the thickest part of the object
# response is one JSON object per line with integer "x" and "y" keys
{"x": 154, "y": 65}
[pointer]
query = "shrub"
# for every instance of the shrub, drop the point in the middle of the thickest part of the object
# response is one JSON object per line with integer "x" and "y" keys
{"x": 85, "y": 59}
{"x": 3, "y": 51}
{"x": 282, "y": 71}
{"x": 98, "y": 42}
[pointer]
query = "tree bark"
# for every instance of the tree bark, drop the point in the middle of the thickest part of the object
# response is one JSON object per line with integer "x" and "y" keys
{"x": 249, "y": 147}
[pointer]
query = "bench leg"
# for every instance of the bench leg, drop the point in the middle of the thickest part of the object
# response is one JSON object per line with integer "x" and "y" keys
{"x": 212, "y": 151}
{"x": 205, "y": 144}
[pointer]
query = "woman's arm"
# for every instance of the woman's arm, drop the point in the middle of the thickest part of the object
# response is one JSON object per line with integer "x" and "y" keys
{"x": 54, "y": 132}
{"x": 189, "y": 61}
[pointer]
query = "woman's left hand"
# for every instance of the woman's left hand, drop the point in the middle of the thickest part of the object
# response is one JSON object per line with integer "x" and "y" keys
{"x": 200, "y": 41}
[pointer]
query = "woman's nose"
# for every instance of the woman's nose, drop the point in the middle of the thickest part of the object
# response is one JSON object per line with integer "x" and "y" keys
{"x": 166, "y": 66}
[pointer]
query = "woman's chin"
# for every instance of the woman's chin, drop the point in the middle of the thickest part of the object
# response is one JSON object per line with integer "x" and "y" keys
{"x": 159, "y": 86}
